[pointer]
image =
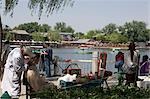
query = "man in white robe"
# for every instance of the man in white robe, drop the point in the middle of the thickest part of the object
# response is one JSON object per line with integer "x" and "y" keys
{"x": 132, "y": 65}
{"x": 14, "y": 66}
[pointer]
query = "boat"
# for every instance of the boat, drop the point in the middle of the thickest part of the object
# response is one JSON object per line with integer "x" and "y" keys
{"x": 85, "y": 46}
{"x": 116, "y": 49}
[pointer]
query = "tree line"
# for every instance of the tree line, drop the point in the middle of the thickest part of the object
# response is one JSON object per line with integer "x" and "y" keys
{"x": 130, "y": 31}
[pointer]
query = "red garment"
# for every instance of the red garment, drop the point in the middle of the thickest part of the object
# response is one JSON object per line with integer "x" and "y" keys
{"x": 120, "y": 56}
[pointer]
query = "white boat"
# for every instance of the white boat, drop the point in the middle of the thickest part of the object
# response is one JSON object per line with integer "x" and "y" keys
{"x": 116, "y": 49}
{"x": 85, "y": 47}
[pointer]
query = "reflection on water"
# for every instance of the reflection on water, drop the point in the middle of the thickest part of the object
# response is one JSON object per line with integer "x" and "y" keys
{"x": 77, "y": 54}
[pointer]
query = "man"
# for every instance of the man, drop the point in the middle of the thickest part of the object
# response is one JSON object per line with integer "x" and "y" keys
{"x": 132, "y": 63}
{"x": 13, "y": 68}
{"x": 47, "y": 55}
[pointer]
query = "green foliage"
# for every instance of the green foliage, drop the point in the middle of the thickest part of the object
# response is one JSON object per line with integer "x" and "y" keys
{"x": 116, "y": 92}
{"x": 44, "y": 28}
{"x": 54, "y": 36}
{"x": 110, "y": 28}
{"x": 79, "y": 35}
{"x": 116, "y": 38}
{"x": 37, "y": 36}
{"x": 90, "y": 34}
{"x": 135, "y": 30}
{"x": 33, "y": 27}
{"x": 9, "y": 36}
{"x": 130, "y": 31}
{"x": 100, "y": 37}
{"x": 48, "y": 6}
{"x": 61, "y": 27}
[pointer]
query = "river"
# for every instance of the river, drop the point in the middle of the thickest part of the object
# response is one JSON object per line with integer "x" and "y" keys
{"x": 78, "y": 54}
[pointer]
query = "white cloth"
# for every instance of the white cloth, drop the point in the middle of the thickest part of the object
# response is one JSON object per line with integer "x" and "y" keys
{"x": 129, "y": 64}
{"x": 12, "y": 72}
{"x": 66, "y": 78}
{"x": 145, "y": 83}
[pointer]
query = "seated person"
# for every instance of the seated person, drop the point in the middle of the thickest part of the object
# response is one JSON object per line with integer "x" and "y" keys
{"x": 144, "y": 66}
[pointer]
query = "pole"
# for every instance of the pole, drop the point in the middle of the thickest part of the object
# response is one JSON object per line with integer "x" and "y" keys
{"x": 94, "y": 62}
{"x": 1, "y": 35}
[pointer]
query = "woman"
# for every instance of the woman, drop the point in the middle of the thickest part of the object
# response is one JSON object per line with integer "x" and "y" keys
{"x": 145, "y": 66}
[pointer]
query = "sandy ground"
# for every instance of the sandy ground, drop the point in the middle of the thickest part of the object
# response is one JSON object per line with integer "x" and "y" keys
{"x": 23, "y": 91}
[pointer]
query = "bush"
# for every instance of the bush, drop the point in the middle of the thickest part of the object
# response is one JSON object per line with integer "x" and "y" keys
{"x": 115, "y": 92}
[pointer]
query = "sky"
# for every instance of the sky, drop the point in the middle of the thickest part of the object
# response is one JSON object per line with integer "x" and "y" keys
{"x": 85, "y": 15}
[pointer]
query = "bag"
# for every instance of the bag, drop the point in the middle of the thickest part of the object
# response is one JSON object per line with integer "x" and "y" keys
{"x": 129, "y": 69}
{"x": 119, "y": 64}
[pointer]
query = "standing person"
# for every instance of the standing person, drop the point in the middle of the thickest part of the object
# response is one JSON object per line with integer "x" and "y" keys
{"x": 47, "y": 55}
{"x": 145, "y": 66}
{"x": 132, "y": 62}
{"x": 119, "y": 61}
{"x": 5, "y": 52}
{"x": 14, "y": 66}
{"x": 55, "y": 62}
{"x": 118, "y": 64}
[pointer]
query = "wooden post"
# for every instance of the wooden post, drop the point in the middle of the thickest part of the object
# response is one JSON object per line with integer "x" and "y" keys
{"x": 1, "y": 33}
{"x": 94, "y": 62}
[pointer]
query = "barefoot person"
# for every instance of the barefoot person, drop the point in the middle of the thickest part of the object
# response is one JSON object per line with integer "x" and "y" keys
{"x": 14, "y": 66}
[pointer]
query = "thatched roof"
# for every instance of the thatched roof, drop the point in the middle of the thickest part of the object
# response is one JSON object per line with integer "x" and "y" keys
{"x": 19, "y": 32}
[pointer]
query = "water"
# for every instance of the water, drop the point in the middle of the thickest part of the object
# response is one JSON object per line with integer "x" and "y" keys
{"x": 77, "y": 54}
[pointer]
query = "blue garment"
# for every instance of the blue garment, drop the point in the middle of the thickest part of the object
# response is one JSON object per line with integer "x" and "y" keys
{"x": 47, "y": 61}
{"x": 47, "y": 67}
{"x": 119, "y": 64}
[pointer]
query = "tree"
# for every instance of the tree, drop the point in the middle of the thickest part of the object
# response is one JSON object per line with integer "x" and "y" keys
{"x": 48, "y": 5}
{"x": 90, "y": 34}
{"x": 39, "y": 6}
{"x": 79, "y": 35}
{"x": 54, "y": 36}
{"x": 9, "y": 36}
{"x": 34, "y": 27}
{"x": 29, "y": 27}
{"x": 116, "y": 38}
{"x": 44, "y": 28}
{"x": 100, "y": 37}
{"x": 135, "y": 31}
{"x": 69, "y": 29}
{"x": 61, "y": 27}
{"x": 37, "y": 36}
{"x": 110, "y": 28}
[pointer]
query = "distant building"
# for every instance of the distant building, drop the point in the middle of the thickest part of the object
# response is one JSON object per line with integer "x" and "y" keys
{"x": 147, "y": 43}
{"x": 20, "y": 35}
{"x": 66, "y": 36}
{"x": 81, "y": 41}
